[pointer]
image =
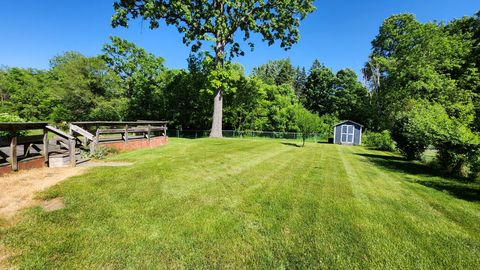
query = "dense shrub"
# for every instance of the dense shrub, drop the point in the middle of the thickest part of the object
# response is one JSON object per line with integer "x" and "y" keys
{"x": 410, "y": 144}
{"x": 379, "y": 140}
{"x": 424, "y": 124}
{"x": 326, "y": 123}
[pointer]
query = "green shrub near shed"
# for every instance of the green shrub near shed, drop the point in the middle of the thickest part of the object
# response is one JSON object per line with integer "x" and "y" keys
{"x": 379, "y": 140}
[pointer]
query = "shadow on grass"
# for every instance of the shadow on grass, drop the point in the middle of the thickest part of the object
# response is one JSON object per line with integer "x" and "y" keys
{"x": 291, "y": 144}
{"x": 455, "y": 186}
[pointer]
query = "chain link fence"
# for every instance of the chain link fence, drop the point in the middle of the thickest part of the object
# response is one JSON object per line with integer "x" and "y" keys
{"x": 253, "y": 135}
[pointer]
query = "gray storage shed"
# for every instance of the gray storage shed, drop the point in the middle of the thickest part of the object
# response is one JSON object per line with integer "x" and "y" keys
{"x": 347, "y": 132}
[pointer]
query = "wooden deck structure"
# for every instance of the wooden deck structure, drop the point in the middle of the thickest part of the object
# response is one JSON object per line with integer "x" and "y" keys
{"x": 86, "y": 135}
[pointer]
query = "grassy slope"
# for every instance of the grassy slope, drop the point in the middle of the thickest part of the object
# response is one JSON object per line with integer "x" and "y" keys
{"x": 243, "y": 204}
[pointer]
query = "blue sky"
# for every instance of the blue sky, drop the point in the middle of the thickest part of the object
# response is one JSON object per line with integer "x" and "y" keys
{"x": 338, "y": 33}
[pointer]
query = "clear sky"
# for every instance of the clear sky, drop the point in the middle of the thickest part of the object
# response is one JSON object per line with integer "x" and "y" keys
{"x": 338, "y": 33}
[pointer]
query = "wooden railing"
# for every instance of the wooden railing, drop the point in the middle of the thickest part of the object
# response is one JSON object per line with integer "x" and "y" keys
{"x": 67, "y": 141}
{"x": 128, "y": 130}
{"x": 29, "y": 142}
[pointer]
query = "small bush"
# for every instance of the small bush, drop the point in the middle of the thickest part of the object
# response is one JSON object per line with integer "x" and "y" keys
{"x": 379, "y": 140}
{"x": 102, "y": 152}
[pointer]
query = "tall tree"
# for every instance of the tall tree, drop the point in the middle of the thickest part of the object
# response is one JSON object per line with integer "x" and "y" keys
{"x": 26, "y": 93}
{"x": 218, "y": 21}
{"x": 351, "y": 97}
{"x": 275, "y": 72}
{"x": 320, "y": 89}
{"x": 299, "y": 82}
{"x": 142, "y": 75}
{"x": 421, "y": 61}
{"x": 469, "y": 75}
{"x": 79, "y": 83}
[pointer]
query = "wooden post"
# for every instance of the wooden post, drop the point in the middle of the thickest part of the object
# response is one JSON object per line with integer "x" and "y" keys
{"x": 97, "y": 136}
{"x": 26, "y": 150}
{"x": 148, "y": 132}
{"x": 71, "y": 151}
{"x": 45, "y": 146}
{"x": 126, "y": 133}
{"x": 13, "y": 149}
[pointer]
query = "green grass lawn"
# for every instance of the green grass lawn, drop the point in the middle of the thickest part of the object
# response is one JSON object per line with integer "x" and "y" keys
{"x": 231, "y": 203}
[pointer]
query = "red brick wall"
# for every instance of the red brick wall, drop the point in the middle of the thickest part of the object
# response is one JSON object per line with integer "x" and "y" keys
{"x": 5, "y": 169}
{"x": 31, "y": 163}
{"x": 137, "y": 144}
{"x": 38, "y": 162}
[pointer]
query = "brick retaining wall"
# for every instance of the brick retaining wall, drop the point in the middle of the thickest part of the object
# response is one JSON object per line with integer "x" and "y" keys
{"x": 137, "y": 144}
{"x": 26, "y": 164}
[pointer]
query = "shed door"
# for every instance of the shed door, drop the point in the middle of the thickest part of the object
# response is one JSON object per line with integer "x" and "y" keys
{"x": 347, "y": 134}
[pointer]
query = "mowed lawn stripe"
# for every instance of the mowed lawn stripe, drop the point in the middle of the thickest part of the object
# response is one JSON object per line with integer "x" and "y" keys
{"x": 398, "y": 209}
{"x": 232, "y": 203}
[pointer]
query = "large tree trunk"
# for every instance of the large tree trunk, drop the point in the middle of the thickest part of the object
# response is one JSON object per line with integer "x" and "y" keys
{"x": 216, "y": 131}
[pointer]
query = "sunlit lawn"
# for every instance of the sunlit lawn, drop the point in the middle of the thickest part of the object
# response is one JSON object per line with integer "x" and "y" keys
{"x": 232, "y": 203}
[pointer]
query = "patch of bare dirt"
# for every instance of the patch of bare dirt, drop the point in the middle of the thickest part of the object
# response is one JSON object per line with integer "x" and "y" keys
{"x": 52, "y": 205}
{"x": 18, "y": 189}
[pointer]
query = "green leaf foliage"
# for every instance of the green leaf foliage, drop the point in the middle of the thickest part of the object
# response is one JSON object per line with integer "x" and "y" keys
{"x": 307, "y": 122}
{"x": 424, "y": 124}
{"x": 8, "y": 117}
{"x": 220, "y": 20}
{"x": 413, "y": 60}
{"x": 340, "y": 94}
{"x": 142, "y": 77}
{"x": 379, "y": 140}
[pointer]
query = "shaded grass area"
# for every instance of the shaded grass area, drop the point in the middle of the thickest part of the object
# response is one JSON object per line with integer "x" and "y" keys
{"x": 253, "y": 204}
{"x": 456, "y": 186}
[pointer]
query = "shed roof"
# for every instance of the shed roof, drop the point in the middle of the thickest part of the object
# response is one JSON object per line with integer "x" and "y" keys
{"x": 345, "y": 121}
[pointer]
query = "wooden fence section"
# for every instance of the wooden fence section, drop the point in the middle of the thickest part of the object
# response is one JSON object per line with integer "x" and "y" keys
{"x": 65, "y": 148}
{"x": 33, "y": 145}
{"x": 104, "y": 132}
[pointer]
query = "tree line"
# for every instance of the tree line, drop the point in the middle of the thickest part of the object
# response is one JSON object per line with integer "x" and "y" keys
{"x": 425, "y": 88}
{"x": 422, "y": 85}
{"x": 127, "y": 83}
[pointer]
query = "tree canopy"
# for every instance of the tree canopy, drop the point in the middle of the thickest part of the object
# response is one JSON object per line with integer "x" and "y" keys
{"x": 218, "y": 21}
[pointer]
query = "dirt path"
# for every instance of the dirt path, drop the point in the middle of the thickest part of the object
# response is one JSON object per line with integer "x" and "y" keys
{"x": 18, "y": 189}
